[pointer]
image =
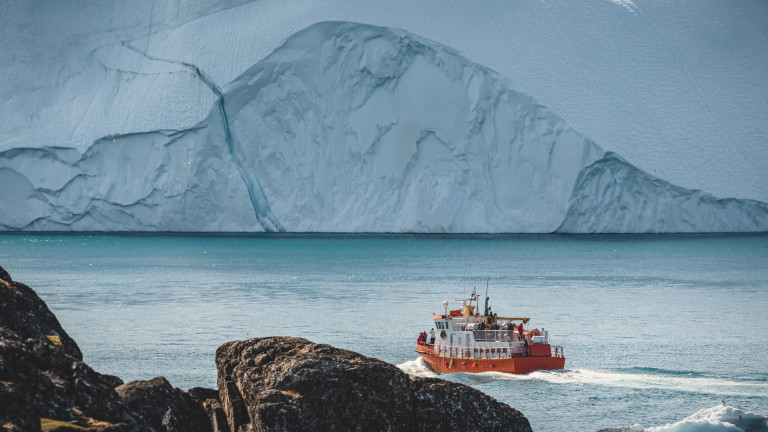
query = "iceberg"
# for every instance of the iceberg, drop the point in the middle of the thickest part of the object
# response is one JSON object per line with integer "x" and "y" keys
{"x": 612, "y": 196}
{"x": 674, "y": 88}
{"x": 351, "y": 127}
{"x": 719, "y": 418}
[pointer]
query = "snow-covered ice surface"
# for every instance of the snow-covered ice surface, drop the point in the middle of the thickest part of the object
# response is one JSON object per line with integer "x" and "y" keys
{"x": 720, "y": 418}
{"x": 349, "y": 127}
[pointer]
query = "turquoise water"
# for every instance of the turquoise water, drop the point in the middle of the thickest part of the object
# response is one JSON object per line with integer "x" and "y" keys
{"x": 654, "y": 328}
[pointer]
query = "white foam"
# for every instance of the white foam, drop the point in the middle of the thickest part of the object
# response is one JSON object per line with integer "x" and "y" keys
{"x": 417, "y": 368}
{"x": 691, "y": 384}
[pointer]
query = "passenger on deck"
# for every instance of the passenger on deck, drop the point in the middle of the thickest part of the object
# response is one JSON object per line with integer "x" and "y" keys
{"x": 432, "y": 336}
{"x": 521, "y": 331}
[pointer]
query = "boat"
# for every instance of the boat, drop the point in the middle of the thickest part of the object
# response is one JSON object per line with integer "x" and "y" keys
{"x": 468, "y": 342}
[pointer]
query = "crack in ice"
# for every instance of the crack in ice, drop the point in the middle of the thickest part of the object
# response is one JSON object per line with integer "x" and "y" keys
{"x": 256, "y": 192}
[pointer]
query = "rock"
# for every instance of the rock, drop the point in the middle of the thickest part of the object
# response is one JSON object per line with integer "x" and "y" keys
{"x": 40, "y": 380}
{"x": 4, "y": 276}
{"x": 291, "y": 384}
{"x": 112, "y": 380}
{"x": 43, "y": 377}
{"x": 27, "y": 315}
{"x": 209, "y": 400}
{"x": 447, "y": 404}
{"x": 164, "y": 407}
{"x": 200, "y": 394}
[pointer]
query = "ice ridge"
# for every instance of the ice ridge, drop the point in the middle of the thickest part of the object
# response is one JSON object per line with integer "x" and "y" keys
{"x": 613, "y": 196}
{"x": 150, "y": 181}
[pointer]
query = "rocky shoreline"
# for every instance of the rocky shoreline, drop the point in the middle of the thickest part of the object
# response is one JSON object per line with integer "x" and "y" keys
{"x": 264, "y": 384}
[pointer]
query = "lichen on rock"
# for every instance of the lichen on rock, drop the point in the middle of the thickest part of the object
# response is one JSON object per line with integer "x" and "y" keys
{"x": 285, "y": 383}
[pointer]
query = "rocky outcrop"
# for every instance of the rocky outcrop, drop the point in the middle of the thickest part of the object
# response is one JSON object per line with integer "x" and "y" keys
{"x": 27, "y": 315}
{"x": 42, "y": 375}
{"x": 209, "y": 400}
{"x": 268, "y": 384}
{"x": 164, "y": 407}
{"x": 442, "y": 405}
{"x": 283, "y": 383}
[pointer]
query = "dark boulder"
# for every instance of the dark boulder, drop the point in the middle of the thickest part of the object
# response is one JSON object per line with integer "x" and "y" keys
{"x": 5, "y": 276}
{"x": 446, "y": 404}
{"x": 39, "y": 380}
{"x": 209, "y": 400}
{"x": 44, "y": 377}
{"x": 291, "y": 384}
{"x": 164, "y": 407}
{"x": 27, "y": 315}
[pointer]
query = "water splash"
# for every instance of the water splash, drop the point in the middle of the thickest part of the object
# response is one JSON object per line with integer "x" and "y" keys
{"x": 643, "y": 380}
{"x": 417, "y": 368}
{"x": 637, "y": 378}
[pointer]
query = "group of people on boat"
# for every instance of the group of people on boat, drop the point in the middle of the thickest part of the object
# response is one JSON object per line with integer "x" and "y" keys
{"x": 494, "y": 325}
{"x": 423, "y": 337}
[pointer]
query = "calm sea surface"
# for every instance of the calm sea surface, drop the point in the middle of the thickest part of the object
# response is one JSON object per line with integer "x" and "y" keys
{"x": 654, "y": 328}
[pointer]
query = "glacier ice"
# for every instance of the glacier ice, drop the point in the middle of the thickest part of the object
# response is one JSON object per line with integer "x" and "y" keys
{"x": 676, "y": 88}
{"x": 350, "y": 128}
{"x": 719, "y": 418}
{"x": 149, "y": 181}
{"x": 361, "y": 128}
{"x": 612, "y": 196}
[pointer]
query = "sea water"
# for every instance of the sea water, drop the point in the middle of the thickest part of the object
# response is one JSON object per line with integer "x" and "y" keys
{"x": 655, "y": 329}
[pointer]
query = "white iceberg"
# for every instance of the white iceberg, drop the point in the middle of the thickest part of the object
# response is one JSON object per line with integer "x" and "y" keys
{"x": 352, "y": 128}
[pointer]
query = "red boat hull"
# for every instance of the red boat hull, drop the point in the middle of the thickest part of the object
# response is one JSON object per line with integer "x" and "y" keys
{"x": 514, "y": 365}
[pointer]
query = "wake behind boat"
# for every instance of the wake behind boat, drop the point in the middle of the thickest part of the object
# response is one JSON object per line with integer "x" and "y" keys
{"x": 472, "y": 343}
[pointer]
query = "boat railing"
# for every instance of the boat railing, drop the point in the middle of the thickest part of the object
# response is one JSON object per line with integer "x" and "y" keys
{"x": 473, "y": 352}
{"x": 425, "y": 347}
{"x": 557, "y": 351}
{"x": 496, "y": 335}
